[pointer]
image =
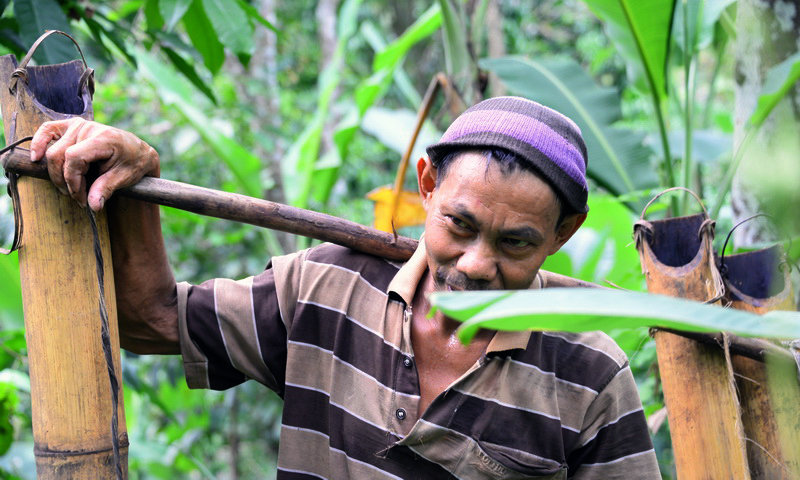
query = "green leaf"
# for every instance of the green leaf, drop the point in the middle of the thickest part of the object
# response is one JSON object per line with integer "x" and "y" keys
{"x": 153, "y": 15}
{"x": 581, "y": 310}
{"x": 189, "y": 72}
{"x": 36, "y": 16}
{"x": 11, "y": 298}
{"x": 253, "y": 13}
{"x": 703, "y": 17}
{"x": 175, "y": 91}
{"x": 778, "y": 83}
{"x": 231, "y": 24}
{"x": 172, "y": 11}
{"x": 392, "y": 55}
{"x": 368, "y": 92}
{"x": 641, "y": 30}
{"x": 112, "y": 33}
{"x": 198, "y": 28}
{"x": 618, "y": 160}
{"x": 458, "y": 61}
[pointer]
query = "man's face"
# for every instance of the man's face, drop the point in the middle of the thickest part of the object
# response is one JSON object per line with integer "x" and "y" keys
{"x": 487, "y": 229}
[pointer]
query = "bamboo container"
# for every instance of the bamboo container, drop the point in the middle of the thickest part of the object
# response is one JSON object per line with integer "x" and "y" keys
{"x": 70, "y": 390}
{"x": 699, "y": 392}
{"x": 756, "y": 282}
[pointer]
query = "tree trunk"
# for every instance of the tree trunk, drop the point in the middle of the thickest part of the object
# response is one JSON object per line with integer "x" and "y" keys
{"x": 767, "y": 33}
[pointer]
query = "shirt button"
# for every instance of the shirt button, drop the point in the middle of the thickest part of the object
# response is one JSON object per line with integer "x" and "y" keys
{"x": 406, "y": 362}
{"x": 400, "y": 414}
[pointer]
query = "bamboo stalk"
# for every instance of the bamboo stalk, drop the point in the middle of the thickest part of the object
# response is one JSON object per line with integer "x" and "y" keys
{"x": 70, "y": 392}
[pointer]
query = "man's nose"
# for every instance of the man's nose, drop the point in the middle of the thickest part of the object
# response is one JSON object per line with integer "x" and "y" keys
{"x": 478, "y": 262}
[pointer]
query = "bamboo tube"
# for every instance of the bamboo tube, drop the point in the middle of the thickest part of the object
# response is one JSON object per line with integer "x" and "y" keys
{"x": 70, "y": 391}
{"x": 702, "y": 407}
{"x": 755, "y": 284}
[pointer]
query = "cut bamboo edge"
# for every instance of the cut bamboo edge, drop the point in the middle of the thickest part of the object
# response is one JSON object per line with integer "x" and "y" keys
{"x": 327, "y": 228}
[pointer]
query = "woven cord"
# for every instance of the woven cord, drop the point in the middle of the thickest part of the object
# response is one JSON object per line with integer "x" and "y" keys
{"x": 106, "y": 339}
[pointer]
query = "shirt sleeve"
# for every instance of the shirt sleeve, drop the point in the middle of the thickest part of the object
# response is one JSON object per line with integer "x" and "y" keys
{"x": 614, "y": 441}
{"x": 231, "y": 331}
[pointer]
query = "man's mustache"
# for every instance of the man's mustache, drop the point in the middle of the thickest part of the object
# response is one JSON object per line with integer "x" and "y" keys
{"x": 458, "y": 280}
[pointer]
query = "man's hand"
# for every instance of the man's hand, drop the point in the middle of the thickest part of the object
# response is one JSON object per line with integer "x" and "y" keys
{"x": 122, "y": 158}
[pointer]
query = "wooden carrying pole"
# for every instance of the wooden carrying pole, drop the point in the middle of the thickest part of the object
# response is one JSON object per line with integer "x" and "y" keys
{"x": 699, "y": 392}
{"x": 70, "y": 390}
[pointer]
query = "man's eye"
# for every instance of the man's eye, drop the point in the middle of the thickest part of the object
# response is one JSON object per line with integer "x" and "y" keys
{"x": 516, "y": 243}
{"x": 458, "y": 222}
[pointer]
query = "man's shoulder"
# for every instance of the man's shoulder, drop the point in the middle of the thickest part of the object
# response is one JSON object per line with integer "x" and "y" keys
{"x": 327, "y": 258}
{"x": 588, "y": 359}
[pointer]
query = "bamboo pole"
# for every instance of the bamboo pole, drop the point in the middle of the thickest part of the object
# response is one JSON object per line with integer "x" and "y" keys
{"x": 749, "y": 278}
{"x": 699, "y": 392}
{"x": 70, "y": 391}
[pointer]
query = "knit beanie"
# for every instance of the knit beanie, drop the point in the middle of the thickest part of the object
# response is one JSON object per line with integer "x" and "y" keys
{"x": 547, "y": 141}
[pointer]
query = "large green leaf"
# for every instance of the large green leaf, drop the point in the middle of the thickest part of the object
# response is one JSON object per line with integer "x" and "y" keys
{"x": 231, "y": 24}
{"x": 581, "y": 310}
{"x": 36, "y": 16}
{"x": 618, "y": 160}
{"x": 641, "y": 30}
{"x": 198, "y": 27}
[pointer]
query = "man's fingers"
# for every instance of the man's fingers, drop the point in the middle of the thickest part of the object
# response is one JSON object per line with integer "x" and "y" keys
{"x": 102, "y": 189}
{"x": 47, "y": 132}
{"x": 75, "y": 168}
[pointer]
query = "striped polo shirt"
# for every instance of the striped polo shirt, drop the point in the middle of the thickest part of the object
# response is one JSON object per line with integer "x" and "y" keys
{"x": 329, "y": 330}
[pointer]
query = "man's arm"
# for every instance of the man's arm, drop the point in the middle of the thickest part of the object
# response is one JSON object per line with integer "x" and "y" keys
{"x": 145, "y": 286}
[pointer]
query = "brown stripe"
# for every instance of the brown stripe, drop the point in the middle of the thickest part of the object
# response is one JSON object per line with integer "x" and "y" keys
{"x": 234, "y": 306}
{"x": 324, "y": 284}
{"x": 360, "y": 394}
{"x": 333, "y": 465}
{"x": 287, "y": 270}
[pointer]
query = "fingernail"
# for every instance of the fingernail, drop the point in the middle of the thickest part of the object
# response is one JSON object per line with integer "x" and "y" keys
{"x": 34, "y": 155}
{"x": 63, "y": 191}
{"x": 101, "y": 201}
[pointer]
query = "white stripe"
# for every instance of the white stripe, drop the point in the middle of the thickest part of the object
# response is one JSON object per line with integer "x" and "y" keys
{"x": 611, "y": 423}
{"x": 619, "y": 459}
{"x": 307, "y": 430}
{"x": 353, "y": 368}
{"x": 552, "y": 374}
{"x": 517, "y": 407}
{"x": 292, "y": 470}
{"x": 342, "y": 452}
{"x": 372, "y": 467}
{"x": 353, "y": 272}
{"x": 555, "y": 335}
{"x": 255, "y": 328}
{"x": 219, "y": 326}
{"x": 342, "y": 312}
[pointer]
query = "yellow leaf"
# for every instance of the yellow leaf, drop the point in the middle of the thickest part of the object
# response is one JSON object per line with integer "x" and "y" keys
{"x": 409, "y": 209}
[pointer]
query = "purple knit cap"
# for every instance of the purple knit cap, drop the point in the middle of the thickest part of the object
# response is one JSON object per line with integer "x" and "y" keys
{"x": 547, "y": 141}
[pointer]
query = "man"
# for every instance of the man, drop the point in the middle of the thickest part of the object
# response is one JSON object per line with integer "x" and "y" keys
{"x": 373, "y": 387}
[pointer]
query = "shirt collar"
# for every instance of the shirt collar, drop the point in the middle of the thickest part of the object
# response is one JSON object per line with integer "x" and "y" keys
{"x": 404, "y": 284}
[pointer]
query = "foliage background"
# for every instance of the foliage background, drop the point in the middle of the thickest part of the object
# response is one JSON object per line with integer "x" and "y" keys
{"x": 312, "y": 102}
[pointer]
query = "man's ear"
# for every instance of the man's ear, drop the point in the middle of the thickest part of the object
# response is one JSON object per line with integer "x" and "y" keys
{"x": 567, "y": 229}
{"x": 426, "y": 178}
